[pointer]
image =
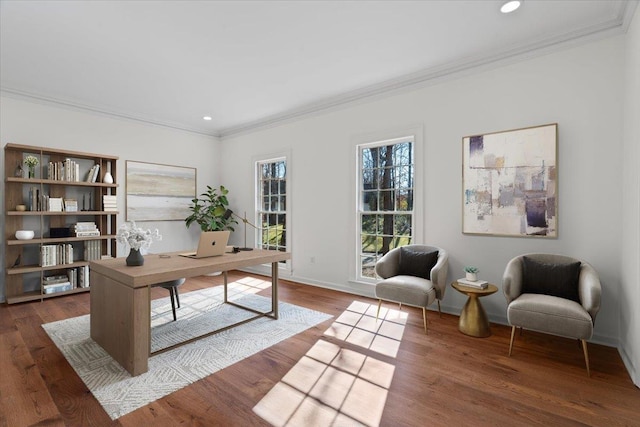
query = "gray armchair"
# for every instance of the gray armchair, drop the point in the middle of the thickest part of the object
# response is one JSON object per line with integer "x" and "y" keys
{"x": 414, "y": 275}
{"x": 553, "y": 294}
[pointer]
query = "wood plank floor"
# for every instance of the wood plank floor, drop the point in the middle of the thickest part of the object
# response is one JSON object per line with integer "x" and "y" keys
{"x": 440, "y": 379}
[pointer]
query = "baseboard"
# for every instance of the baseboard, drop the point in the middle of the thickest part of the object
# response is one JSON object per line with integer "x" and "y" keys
{"x": 628, "y": 363}
{"x": 367, "y": 290}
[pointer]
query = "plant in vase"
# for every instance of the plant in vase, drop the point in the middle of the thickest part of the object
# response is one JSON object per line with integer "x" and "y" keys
{"x": 471, "y": 273}
{"x": 209, "y": 209}
{"x": 137, "y": 238}
{"x": 31, "y": 162}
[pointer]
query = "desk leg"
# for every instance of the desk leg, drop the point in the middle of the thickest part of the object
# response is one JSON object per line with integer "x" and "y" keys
{"x": 473, "y": 319}
{"x": 120, "y": 322}
{"x": 226, "y": 282}
{"x": 274, "y": 289}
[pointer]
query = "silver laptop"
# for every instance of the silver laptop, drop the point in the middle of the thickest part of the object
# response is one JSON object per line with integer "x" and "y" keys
{"x": 212, "y": 243}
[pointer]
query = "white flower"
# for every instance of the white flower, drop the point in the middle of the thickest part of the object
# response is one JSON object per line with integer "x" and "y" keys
{"x": 31, "y": 161}
{"x": 135, "y": 236}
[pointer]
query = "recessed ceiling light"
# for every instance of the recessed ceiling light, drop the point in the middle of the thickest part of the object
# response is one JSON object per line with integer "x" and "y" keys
{"x": 510, "y": 6}
{"x": 207, "y": 118}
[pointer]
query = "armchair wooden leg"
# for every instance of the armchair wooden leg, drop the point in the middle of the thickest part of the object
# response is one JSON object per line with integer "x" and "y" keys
{"x": 586, "y": 356}
{"x": 399, "y": 306}
{"x": 513, "y": 335}
{"x": 424, "y": 319}
{"x": 439, "y": 312}
{"x": 378, "y": 312}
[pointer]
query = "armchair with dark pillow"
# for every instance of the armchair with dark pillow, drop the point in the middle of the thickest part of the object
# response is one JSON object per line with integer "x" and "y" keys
{"x": 414, "y": 275}
{"x": 553, "y": 294}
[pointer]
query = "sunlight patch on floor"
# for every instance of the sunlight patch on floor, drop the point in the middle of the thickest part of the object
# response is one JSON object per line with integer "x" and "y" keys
{"x": 337, "y": 385}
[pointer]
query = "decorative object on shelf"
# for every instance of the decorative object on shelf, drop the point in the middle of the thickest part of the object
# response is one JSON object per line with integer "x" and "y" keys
{"x": 25, "y": 234}
{"x": 137, "y": 238}
{"x": 471, "y": 273}
{"x": 21, "y": 208}
{"x": 31, "y": 162}
{"x": 210, "y": 211}
{"x": 108, "y": 178}
{"x": 19, "y": 171}
{"x": 510, "y": 183}
{"x": 158, "y": 192}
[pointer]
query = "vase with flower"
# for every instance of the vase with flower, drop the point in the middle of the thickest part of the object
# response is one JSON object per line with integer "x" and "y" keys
{"x": 137, "y": 238}
{"x": 31, "y": 162}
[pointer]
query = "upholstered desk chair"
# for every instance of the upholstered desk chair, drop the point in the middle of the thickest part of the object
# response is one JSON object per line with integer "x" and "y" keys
{"x": 553, "y": 294}
{"x": 172, "y": 286}
{"x": 414, "y": 275}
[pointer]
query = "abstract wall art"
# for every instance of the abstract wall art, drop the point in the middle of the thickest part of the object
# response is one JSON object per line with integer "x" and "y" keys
{"x": 510, "y": 185}
{"x": 159, "y": 192}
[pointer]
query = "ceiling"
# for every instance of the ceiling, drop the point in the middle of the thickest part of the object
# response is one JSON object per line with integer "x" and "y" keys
{"x": 248, "y": 64}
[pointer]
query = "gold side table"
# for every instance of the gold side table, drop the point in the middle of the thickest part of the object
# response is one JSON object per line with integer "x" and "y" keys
{"x": 473, "y": 319}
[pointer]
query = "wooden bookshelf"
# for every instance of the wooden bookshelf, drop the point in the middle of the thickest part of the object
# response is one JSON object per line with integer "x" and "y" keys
{"x": 24, "y": 273}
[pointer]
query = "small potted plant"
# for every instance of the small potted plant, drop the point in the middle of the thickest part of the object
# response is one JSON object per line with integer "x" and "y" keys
{"x": 209, "y": 210}
{"x": 471, "y": 273}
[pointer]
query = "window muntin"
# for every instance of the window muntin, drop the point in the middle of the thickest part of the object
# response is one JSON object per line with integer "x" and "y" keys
{"x": 385, "y": 200}
{"x": 272, "y": 204}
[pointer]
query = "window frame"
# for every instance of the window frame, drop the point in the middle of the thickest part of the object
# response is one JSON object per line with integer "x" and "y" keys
{"x": 258, "y": 211}
{"x": 380, "y": 138}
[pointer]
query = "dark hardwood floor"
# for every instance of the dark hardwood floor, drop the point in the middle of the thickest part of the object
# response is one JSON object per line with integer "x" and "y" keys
{"x": 441, "y": 379}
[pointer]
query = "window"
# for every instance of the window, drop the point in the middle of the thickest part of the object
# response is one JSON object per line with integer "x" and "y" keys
{"x": 272, "y": 204}
{"x": 385, "y": 200}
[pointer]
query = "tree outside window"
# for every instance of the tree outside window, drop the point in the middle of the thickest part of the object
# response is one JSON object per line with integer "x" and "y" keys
{"x": 385, "y": 200}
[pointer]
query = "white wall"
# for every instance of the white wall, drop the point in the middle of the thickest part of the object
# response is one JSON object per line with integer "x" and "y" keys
{"x": 630, "y": 266}
{"x": 30, "y": 123}
{"x": 579, "y": 88}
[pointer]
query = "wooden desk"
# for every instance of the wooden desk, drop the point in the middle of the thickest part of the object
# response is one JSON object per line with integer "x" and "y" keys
{"x": 121, "y": 303}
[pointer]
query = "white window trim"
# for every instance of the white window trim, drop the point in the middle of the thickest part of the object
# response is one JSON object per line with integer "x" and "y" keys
{"x": 416, "y": 132}
{"x": 285, "y": 268}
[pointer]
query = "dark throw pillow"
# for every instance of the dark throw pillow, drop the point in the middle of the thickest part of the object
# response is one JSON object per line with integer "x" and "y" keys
{"x": 417, "y": 263}
{"x": 559, "y": 280}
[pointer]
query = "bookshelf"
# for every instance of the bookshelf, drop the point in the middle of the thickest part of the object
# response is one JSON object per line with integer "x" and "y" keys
{"x": 65, "y": 189}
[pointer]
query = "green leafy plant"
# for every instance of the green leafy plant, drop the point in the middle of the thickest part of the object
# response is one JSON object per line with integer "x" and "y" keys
{"x": 470, "y": 269}
{"x": 209, "y": 209}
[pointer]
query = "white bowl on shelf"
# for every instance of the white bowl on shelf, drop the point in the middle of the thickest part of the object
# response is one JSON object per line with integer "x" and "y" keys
{"x": 25, "y": 234}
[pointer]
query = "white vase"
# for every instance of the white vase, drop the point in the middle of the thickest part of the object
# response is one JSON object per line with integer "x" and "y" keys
{"x": 108, "y": 179}
{"x": 472, "y": 276}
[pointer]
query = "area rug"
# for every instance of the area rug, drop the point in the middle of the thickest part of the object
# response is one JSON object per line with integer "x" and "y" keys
{"x": 119, "y": 393}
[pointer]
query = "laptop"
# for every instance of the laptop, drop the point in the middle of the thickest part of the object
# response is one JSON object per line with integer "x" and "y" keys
{"x": 212, "y": 243}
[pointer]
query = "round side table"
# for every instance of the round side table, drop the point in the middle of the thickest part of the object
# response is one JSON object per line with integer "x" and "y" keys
{"x": 473, "y": 319}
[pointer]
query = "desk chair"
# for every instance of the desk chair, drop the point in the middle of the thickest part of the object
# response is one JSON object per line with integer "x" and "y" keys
{"x": 172, "y": 286}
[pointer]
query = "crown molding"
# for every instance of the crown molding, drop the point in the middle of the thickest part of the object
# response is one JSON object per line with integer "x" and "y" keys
{"x": 450, "y": 71}
{"x": 618, "y": 24}
{"x": 77, "y": 106}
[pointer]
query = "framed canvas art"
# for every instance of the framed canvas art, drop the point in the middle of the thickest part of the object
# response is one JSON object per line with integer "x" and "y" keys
{"x": 510, "y": 185}
{"x": 159, "y": 192}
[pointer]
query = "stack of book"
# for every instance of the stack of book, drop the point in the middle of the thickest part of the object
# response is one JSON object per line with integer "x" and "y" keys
{"x": 58, "y": 283}
{"x": 86, "y": 229}
{"x": 479, "y": 284}
{"x": 109, "y": 203}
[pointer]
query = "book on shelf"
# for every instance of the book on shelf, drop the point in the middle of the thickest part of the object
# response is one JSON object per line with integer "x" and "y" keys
{"x": 70, "y": 205}
{"x": 55, "y": 204}
{"x": 479, "y": 284}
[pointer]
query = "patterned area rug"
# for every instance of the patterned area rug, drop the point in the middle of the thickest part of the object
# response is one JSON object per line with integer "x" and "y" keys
{"x": 119, "y": 393}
